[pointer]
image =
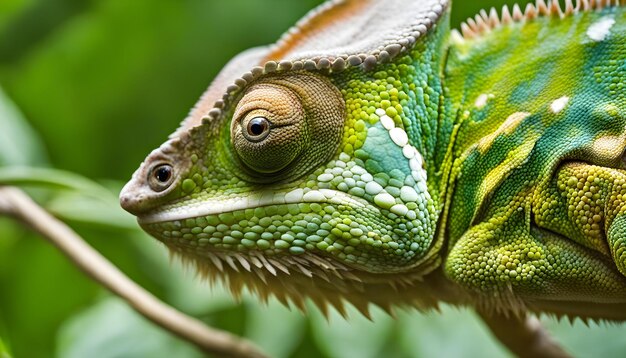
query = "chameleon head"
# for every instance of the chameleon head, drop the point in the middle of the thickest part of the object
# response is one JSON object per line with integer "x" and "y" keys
{"x": 300, "y": 183}
{"x": 280, "y": 128}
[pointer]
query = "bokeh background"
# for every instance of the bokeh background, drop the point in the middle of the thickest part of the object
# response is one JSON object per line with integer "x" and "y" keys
{"x": 87, "y": 89}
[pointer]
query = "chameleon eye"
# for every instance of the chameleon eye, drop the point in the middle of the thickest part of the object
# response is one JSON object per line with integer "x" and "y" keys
{"x": 161, "y": 177}
{"x": 284, "y": 123}
{"x": 257, "y": 129}
{"x": 269, "y": 130}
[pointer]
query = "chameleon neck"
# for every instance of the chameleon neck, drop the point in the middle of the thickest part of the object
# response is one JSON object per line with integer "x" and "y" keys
{"x": 519, "y": 95}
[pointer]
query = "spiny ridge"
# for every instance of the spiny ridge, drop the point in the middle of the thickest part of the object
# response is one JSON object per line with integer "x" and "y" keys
{"x": 484, "y": 21}
{"x": 323, "y": 282}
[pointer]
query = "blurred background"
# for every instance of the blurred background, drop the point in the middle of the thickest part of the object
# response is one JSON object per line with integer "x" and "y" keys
{"x": 87, "y": 89}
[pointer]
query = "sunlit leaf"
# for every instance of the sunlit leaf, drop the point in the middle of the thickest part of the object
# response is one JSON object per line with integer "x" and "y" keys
{"x": 112, "y": 329}
{"x": 4, "y": 352}
{"x": 19, "y": 145}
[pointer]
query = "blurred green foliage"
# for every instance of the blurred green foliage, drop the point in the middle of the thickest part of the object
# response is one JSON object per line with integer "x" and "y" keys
{"x": 91, "y": 87}
{"x": 4, "y": 353}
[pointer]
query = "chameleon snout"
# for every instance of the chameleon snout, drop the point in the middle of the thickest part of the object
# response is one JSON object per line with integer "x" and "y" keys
{"x": 132, "y": 199}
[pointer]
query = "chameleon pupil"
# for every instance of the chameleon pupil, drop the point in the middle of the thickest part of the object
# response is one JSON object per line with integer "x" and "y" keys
{"x": 163, "y": 174}
{"x": 257, "y": 126}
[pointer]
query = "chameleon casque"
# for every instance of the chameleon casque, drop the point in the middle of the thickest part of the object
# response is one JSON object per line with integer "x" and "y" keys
{"x": 374, "y": 156}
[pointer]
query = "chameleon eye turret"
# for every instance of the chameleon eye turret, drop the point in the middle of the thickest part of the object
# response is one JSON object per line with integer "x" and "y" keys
{"x": 283, "y": 125}
{"x": 269, "y": 130}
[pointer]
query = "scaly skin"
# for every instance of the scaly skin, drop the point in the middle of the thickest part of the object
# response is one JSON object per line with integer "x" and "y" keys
{"x": 537, "y": 203}
{"x": 483, "y": 170}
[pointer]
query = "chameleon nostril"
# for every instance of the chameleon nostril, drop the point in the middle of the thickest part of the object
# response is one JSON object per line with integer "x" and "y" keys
{"x": 130, "y": 200}
{"x": 134, "y": 205}
{"x": 126, "y": 203}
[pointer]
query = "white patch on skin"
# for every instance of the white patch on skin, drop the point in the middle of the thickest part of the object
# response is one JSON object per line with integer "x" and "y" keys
{"x": 408, "y": 194}
{"x": 558, "y": 104}
{"x": 418, "y": 158}
{"x": 481, "y": 101}
{"x": 313, "y": 196}
{"x": 387, "y": 122}
{"x": 506, "y": 128}
{"x": 325, "y": 177}
{"x": 609, "y": 146}
{"x": 399, "y": 136}
{"x": 599, "y": 30}
{"x": 294, "y": 195}
{"x": 373, "y": 188}
{"x": 399, "y": 209}
{"x": 414, "y": 164}
{"x": 417, "y": 170}
{"x": 408, "y": 151}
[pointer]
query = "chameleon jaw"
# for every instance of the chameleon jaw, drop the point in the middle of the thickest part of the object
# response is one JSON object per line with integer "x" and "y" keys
{"x": 334, "y": 224}
{"x": 293, "y": 278}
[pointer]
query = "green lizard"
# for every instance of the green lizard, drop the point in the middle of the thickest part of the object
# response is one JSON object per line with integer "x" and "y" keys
{"x": 373, "y": 156}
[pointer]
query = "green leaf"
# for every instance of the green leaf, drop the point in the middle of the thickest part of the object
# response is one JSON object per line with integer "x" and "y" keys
{"x": 19, "y": 145}
{"x": 53, "y": 179}
{"x": 112, "y": 329}
{"x": 4, "y": 352}
{"x": 77, "y": 207}
{"x": 75, "y": 197}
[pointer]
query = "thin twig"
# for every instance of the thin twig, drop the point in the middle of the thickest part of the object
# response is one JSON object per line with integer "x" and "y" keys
{"x": 16, "y": 203}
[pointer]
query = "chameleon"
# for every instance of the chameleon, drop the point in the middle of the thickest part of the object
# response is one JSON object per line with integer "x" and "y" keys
{"x": 375, "y": 156}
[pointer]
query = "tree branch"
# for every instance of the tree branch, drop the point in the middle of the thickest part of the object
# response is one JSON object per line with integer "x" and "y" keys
{"x": 16, "y": 203}
{"x": 524, "y": 336}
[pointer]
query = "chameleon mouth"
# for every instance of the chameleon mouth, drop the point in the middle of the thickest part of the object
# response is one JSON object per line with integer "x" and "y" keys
{"x": 325, "y": 222}
{"x": 199, "y": 207}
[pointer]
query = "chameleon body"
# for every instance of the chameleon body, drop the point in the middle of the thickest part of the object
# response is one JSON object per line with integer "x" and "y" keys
{"x": 375, "y": 157}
